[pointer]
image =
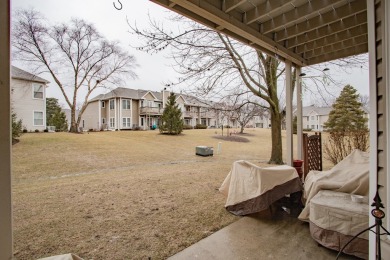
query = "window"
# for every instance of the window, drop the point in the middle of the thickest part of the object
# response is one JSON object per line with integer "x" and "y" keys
{"x": 103, "y": 120}
{"x": 312, "y": 126}
{"x": 38, "y": 118}
{"x": 103, "y": 104}
{"x": 312, "y": 118}
{"x": 188, "y": 108}
{"x": 126, "y": 122}
{"x": 112, "y": 122}
{"x": 38, "y": 91}
{"x": 142, "y": 121}
{"x": 150, "y": 103}
{"x": 125, "y": 104}
{"x": 112, "y": 104}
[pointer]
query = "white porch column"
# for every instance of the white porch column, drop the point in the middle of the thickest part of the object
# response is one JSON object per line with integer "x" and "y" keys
{"x": 6, "y": 242}
{"x": 289, "y": 125}
{"x": 298, "y": 80}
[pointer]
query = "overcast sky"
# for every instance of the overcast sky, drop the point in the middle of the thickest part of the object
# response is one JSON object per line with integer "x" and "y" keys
{"x": 154, "y": 70}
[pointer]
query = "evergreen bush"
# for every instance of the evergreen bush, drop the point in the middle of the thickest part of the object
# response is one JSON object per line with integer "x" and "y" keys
{"x": 171, "y": 119}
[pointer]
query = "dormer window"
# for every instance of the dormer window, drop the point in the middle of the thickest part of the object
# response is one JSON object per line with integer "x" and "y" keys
{"x": 38, "y": 91}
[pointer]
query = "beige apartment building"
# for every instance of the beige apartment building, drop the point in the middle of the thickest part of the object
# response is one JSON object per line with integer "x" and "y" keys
{"x": 124, "y": 109}
{"x": 28, "y": 99}
{"x": 314, "y": 117}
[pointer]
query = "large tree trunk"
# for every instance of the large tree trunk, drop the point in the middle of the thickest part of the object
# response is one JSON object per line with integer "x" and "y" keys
{"x": 242, "y": 129}
{"x": 276, "y": 134}
{"x": 73, "y": 123}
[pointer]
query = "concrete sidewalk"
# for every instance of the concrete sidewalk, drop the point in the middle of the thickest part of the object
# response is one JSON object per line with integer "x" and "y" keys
{"x": 260, "y": 237}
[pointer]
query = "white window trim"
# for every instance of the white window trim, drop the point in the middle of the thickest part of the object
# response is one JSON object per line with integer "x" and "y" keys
{"x": 126, "y": 126}
{"x": 43, "y": 117}
{"x": 126, "y": 100}
{"x": 109, "y": 104}
{"x": 113, "y": 120}
{"x": 43, "y": 91}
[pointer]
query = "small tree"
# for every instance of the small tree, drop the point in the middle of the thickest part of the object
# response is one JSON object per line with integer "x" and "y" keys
{"x": 171, "y": 121}
{"x": 347, "y": 126}
{"x": 246, "y": 112}
{"x": 16, "y": 127}
{"x": 55, "y": 116}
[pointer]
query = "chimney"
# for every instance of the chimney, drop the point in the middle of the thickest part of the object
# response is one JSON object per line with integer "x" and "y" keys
{"x": 165, "y": 95}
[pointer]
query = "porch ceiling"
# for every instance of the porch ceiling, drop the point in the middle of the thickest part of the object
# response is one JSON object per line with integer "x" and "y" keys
{"x": 305, "y": 32}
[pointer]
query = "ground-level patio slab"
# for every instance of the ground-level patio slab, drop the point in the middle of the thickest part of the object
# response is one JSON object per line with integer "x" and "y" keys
{"x": 259, "y": 237}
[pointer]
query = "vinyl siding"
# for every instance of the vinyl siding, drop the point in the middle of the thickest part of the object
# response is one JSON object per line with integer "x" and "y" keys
{"x": 91, "y": 116}
{"x": 24, "y": 105}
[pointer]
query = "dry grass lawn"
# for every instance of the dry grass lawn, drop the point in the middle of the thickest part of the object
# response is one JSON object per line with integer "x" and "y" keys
{"x": 122, "y": 195}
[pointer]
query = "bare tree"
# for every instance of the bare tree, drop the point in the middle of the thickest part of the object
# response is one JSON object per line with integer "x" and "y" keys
{"x": 365, "y": 100}
{"x": 246, "y": 112}
{"x": 213, "y": 64}
{"x": 216, "y": 65}
{"x": 77, "y": 57}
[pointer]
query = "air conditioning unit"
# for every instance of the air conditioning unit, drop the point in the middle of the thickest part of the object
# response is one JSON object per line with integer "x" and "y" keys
{"x": 204, "y": 151}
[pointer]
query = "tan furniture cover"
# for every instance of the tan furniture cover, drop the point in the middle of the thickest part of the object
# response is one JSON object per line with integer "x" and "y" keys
{"x": 62, "y": 257}
{"x": 351, "y": 175}
{"x": 335, "y": 219}
{"x": 250, "y": 188}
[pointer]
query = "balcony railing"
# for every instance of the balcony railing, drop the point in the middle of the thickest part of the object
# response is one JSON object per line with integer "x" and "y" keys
{"x": 151, "y": 110}
{"x": 190, "y": 113}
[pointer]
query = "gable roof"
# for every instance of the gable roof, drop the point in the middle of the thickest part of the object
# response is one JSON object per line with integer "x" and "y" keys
{"x": 150, "y": 92}
{"x": 17, "y": 73}
{"x": 127, "y": 93}
{"x": 321, "y": 111}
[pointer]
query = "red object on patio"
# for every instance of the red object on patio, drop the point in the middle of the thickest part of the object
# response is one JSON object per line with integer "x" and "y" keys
{"x": 297, "y": 164}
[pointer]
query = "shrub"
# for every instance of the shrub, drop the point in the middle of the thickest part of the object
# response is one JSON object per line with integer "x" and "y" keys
{"x": 136, "y": 128}
{"x": 200, "y": 126}
{"x": 36, "y": 131}
{"x": 90, "y": 130}
{"x": 46, "y": 130}
{"x": 171, "y": 121}
{"x": 16, "y": 126}
{"x": 25, "y": 130}
{"x": 188, "y": 127}
{"x": 347, "y": 126}
{"x": 340, "y": 144}
{"x": 307, "y": 129}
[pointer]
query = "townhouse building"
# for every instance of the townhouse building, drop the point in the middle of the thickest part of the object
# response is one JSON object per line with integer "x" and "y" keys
{"x": 314, "y": 117}
{"x": 124, "y": 108}
{"x": 28, "y": 99}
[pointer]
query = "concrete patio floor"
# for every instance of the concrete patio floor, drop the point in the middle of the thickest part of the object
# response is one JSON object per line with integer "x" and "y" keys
{"x": 260, "y": 236}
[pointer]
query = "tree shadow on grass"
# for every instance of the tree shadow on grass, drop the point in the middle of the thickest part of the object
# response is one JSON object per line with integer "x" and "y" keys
{"x": 232, "y": 138}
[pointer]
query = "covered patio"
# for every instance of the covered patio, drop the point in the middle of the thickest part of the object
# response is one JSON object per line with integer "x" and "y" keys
{"x": 260, "y": 237}
{"x": 298, "y": 32}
